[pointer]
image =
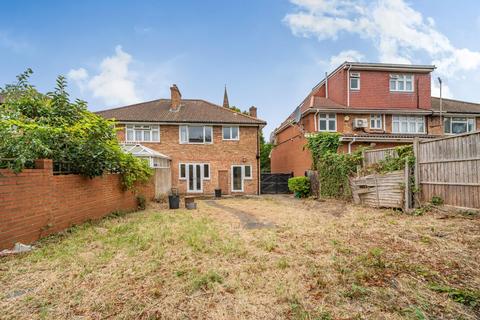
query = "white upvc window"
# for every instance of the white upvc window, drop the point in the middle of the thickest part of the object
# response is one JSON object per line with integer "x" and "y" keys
{"x": 376, "y": 121}
{"x": 182, "y": 170}
{"x": 327, "y": 122}
{"x": 408, "y": 124}
{"x": 456, "y": 125}
{"x": 231, "y": 133}
{"x": 142, "y": 133}
{"x": 401, "y": 82}
{"x": 206, "y": 171}
{"x": 354, "y": 81}
{"x": 240, "y": 173}
{"x": 196, "y": 134}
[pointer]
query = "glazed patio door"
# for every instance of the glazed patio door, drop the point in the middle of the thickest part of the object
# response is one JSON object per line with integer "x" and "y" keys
{"x": 237, "y": 179}
{"x": 194, "y": 177}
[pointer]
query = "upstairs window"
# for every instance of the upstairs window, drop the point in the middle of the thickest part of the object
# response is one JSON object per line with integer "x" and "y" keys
{"x": 375, "y": 121}
{"x": 196, "y": 134}
{"x": 408, "y": 124}
{"x": 354, "y": 81}
{"x": 401, "y": 82}
{"x": 230, "y": 133}
{"x": 455, "y": 125}
{"x": 327, "y": 122}
{"x": 142, "y": 133}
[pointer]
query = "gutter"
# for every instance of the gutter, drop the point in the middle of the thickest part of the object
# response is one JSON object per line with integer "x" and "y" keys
{"x": 350, "y": 144}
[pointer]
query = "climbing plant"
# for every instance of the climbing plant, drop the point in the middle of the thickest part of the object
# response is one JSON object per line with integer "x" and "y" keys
{"x": 321, "y": 143}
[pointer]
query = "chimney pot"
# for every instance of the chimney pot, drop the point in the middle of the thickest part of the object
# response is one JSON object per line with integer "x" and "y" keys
{"x": 176, "y": 98}
{"x": 253, "y": 111}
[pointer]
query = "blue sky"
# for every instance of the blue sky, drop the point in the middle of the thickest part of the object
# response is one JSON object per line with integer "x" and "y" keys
{"x": 269, "y": 53}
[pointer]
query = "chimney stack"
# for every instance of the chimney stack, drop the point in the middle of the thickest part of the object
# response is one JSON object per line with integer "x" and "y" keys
{"x": 253, "y": 111}
{"x": 176, "y": 98}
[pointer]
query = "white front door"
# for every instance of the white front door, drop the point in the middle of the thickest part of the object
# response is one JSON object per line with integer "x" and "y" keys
{"x": 194, "y": 177}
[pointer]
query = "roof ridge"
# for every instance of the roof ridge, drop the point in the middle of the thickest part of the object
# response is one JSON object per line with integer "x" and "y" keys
{"x": 231, "y": 110}
{"x": 131, "y": 105}
{"x": 456, "y": 100}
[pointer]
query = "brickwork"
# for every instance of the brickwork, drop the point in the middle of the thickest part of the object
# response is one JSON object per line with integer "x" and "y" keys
{"x": 221, "y": 155}
{"x": 35, "y": 203}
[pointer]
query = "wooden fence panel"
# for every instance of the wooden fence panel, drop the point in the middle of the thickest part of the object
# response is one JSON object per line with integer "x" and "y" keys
{"x": 449, "y": 168}
{"x": 374, "y": 156}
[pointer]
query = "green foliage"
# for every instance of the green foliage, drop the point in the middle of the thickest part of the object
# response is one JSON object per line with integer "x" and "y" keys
{"x": 50, "y": 126}
{"x": 389, "y": 164}
{"x": 467, "y": 297}
{"x": 437, "y": 201}
{"x": 300, "y": 186}
{"x": 141, "y": 202}
{"x": 265, "y": 149}
{"x": 239, "y": 110}
{"x": 206, "y": 281}
{"x": 321, "y": 143}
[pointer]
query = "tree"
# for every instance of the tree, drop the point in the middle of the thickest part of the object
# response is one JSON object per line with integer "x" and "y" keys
{"x": 35, "y": 125}
{"x": 265, "y": 149}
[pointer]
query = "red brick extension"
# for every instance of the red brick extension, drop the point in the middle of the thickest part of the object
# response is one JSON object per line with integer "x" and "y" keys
{"x": 36, "y": 203}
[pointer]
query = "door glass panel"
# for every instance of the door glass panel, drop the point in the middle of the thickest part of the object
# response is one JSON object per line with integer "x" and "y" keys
{"x": 191, "y": 177}
{"x": 198, "y": 176}
{"x": 237, "y": 178}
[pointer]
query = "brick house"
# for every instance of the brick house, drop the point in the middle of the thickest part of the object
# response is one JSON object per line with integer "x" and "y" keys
{"x": 210, "y": 146}
{"x": 370, "y": 104}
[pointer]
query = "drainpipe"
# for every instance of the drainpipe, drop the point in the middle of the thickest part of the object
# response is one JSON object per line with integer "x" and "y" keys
{"x": 441, "y": 106}
{"x": 258, "y": 161}
{"x": 315, "y": 120}
{"x": 348, "y": 86}
{"x": 350, "y": 144}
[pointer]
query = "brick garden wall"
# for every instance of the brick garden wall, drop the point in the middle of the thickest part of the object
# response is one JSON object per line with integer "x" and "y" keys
{"x": 35, "y": 203}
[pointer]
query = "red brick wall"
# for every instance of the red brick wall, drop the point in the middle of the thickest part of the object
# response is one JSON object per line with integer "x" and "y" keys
{"x": 35, "y": 203}
{"x": 221, "y": 155}
{"x": 375, "y": 91}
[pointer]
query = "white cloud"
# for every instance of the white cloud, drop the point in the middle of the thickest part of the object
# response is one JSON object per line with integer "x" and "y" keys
{"x": 398, "y": 31}
{"x": 446, "y": 92}
{"x": 115, "y": 82}
{"x": 12, "y": 42}
{"x": 346, "y": 55}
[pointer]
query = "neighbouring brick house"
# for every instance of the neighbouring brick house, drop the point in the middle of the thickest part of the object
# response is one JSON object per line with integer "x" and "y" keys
{"x": 210, "y": 146}
{"x": 370, "y": 104}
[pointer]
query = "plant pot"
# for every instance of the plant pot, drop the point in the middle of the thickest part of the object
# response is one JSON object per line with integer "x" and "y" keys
{"x": 173, "y": 201}
{"x": 218, "y": 193}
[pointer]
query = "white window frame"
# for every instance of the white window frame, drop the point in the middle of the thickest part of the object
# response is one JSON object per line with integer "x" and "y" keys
{"x": 409, "y": 120}
{"x": 186, "y": 134}
{"x": 180, "y": 164}
{"x": 134, "y": 127}
{"x": 374, "y": 118}
{"x": 243, "y": 177}
{"x": 466, "y": 121}
{"x": 203, "y": 171}
{"x": 230, "y": 128}
{"x": 327, "y": 117}
{"x": 401, "y": 78}
{"x": 354, "y": 75}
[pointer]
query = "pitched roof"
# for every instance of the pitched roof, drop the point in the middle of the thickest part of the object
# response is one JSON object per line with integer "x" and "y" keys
{"x": 455, "y": 106}
{"x": 190, "y": 111}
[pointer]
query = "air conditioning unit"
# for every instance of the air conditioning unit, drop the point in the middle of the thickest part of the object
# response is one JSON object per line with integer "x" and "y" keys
{"x": 360, "y": 123}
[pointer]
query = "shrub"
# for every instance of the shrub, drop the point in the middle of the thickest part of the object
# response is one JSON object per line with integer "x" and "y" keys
{"x": 300, "y": 186}
{"x": 49, "y": 126}
{"x": 141, "y": 202}
{"x": 437, "y": 201}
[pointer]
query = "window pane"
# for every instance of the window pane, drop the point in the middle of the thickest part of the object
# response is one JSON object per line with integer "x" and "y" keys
{"x": 393, "y": 86}
{"x": 146, "y": 135}
{"x": 471, "y": 125}
{"x": 248, "y": 171}
{"x": 138, "y": 135}
{"x": 323, "y": 125}
{"x": 235, "y": 132}
{"x": 409, "y": 86}
{"x": 191, "y": 177}
{"x": 412, "y": 127}
{"x": 420, "y": 128}
{"x": 396, "y": 127}
{"x": 206, "y": 171}
{"x": 400, "y": 86}
{"x": 198, "y": 173}
{"x": 446, "y": 125}
{"x": 183, "y": 134}
{"x": 129, "y": 135}
{"x": 331, "y": 125}
{"x": 226, "y": 133}
{"x": 459, "y": 127}
{"x": 237, "y": 178}
{"x": 195, "y": 134}
{"x": 182, "y": 171}
{"x": 404, "y": 127}
{"x": 155, "y": 136}
{"x": 354, "y": 83}
{"x": 208, "y": 134}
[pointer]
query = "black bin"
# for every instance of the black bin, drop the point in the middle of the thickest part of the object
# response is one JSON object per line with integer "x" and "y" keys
{"x": 174, "y": 201}
{"x": 218, "y": 193}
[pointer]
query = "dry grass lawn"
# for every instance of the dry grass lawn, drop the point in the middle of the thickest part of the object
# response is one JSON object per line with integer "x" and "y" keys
{"x": 322, "y": 260}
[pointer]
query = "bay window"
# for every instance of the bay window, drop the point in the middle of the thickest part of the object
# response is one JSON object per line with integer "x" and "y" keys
{"x": 455, "y": 125}
{"x": 196, "y": 134}
{"x": 408, "y": 124}
{"x": 142, "y": 133}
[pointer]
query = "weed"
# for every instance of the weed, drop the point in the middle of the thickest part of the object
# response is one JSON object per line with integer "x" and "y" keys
{"x": 282, "y": 263}
{"x": 467, "y": 297}
{"x": 437, "y": 201}
{"x": 206, "y": 281}
{"x": 356, "y": 292}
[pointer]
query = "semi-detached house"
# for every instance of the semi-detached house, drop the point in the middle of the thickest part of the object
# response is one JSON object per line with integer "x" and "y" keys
{"x": 210, "y": 146}
{"x": 370, "y": 104}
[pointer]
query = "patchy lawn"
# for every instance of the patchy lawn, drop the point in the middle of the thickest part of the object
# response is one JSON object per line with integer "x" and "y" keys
{"x": 271, "y": 258}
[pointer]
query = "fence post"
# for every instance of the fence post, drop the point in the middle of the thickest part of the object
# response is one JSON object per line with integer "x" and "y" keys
{"x": 407, "y": 185}
{"x": 416, "y": 172}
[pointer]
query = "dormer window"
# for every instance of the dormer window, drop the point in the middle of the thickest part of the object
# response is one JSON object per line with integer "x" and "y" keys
{"x": 354, "y": 81}
{"x": 401, "y": 82}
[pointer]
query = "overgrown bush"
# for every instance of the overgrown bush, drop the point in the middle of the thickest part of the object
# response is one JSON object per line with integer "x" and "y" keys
{"x": 49, "y": 126}
{"x": 333, "y": 168}
{"x": 300, "y": 186}
{"x": 394, "y": 163}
